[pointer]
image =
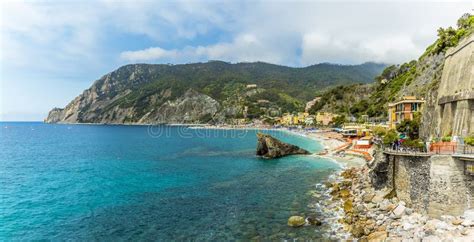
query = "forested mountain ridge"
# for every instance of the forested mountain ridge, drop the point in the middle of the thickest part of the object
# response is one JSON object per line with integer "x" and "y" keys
{"x": 205, "y": 92}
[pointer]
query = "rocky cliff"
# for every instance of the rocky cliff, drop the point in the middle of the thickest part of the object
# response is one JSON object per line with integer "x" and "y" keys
{"x": 203, "y": 92}
{"x": 270, "y": 147}
{"x": 449, "y": 58}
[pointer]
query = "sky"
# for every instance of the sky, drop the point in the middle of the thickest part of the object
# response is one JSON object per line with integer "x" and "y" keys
{"x": 52, "y": 50}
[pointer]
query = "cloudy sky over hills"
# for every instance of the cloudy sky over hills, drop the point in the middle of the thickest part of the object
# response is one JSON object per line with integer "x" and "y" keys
{"x": 52, "y": 51}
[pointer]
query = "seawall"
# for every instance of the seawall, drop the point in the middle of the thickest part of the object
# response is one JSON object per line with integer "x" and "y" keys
{"x": 434, "y": 185}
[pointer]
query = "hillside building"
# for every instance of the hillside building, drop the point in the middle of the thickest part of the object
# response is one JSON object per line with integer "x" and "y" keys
{"x": 403, "y": 110}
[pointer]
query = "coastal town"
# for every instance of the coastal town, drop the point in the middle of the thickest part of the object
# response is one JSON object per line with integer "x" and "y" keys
{"x": 237, "y": 121}
{"x": 413, "y": 183}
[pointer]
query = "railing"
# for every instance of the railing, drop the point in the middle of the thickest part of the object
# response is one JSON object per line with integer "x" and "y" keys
{"x": 406, "y": 151}
{"x": 466, "y": 149}
{"x": 441, "y": 148}
{"x": 444, "y": 148}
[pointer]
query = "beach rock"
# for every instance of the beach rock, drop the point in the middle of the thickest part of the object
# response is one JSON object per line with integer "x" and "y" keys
{"x": 467, "y": 223}
{"x": 347, "y": 183}
{"x": 296, "y": 221}
{"x": 441, "y": 225}
{"x": 357, "y": 230}
{"x": 367, "y": 198}
{"x": 270, "y": 147}
{"x": 347, "y": 206}
{"x": 407, "y": 226}
{"x": 430, "y": 227}
{"x": 399, "y": 210}
{"x": 469, "y": 214}
{"x": 390, "y": 207}
{"x": 457, "y": 221}
{"x": 431, "y": 238}
{"x": 349, "y": 173}
{"x": 344, "y": 193}
{"x": 378, "y": 236}
{"x": 313, "y": 221}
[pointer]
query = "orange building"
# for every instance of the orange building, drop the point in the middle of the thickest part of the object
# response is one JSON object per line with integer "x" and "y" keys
{"x": 403, "y": 110}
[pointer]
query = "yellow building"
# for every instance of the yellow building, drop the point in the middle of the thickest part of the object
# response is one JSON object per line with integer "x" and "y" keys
{"x": 291, "y": 119}
{"x": 325, "y": 118}
{"x": 286, "y": 119}
{"x": 403, "y": 110}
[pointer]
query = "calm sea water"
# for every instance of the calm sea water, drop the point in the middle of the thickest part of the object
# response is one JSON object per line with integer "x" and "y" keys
{"x": 96, "y": 182}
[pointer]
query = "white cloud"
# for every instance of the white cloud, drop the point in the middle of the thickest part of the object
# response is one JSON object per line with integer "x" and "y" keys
{"x": 245, "y": 47}
{"x": 305, "y": 33}
{"x": 148, "y": 54}
{"x": 80, "y": 41}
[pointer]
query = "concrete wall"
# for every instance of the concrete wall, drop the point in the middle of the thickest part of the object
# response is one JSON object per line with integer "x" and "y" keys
{"x": 449, "y": 187}
{"x": 433, "y": 185}
{"x": 456, "y": 90}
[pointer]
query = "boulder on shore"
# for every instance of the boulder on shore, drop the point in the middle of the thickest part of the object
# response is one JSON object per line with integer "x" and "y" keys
{"x": 296, "y": 221}
{"x": 270, "y": 147}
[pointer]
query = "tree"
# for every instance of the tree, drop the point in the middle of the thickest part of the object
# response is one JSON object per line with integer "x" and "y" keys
{"x": 390, "y": 137}
{"x": 411, "y": 127}
{"x": 338, "y": 121}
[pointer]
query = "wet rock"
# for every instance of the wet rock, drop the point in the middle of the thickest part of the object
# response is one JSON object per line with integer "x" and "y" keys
{"x": 296, "y": 221}
{"x": 270, "y": 147}
{"x": 313, "y": 221}
{"x": 349, "y": 173}
{"x": 378, "y": 236}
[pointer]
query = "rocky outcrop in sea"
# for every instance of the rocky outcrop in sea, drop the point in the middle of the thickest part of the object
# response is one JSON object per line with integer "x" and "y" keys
{"x": 270, "y": 147}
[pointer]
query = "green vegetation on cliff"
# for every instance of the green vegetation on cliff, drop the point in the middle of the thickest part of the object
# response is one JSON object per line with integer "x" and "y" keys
{"x": 417, "y": 77}
{"x": 143, "y": 92}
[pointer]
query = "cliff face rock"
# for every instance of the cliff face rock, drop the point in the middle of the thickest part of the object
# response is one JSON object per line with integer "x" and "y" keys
{"x": 191, "y": 107}
{"x": 270, "y": 147}
{"x": 212, "y": 92}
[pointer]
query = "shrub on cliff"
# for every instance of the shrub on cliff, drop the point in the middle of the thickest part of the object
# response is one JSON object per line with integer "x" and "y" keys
{"x": 411, "y": 127}
{"x": 416, "y": 143}
{"x": 390, "y": 137}
{"x": 446, "y": 139}
{"x": 379, "y": 131}
{"x": 469, "y": 140}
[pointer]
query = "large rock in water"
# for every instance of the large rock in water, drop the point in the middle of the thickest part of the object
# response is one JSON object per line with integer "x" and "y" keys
{"x": 270, "y": 147}
{"x": 296, "y": 221}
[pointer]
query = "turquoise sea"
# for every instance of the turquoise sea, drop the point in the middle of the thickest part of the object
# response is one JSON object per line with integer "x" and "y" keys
{"x": 106, "y": 182}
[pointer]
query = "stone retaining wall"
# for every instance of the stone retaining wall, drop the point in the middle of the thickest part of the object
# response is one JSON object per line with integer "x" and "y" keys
{"x": 433, "y": 185}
